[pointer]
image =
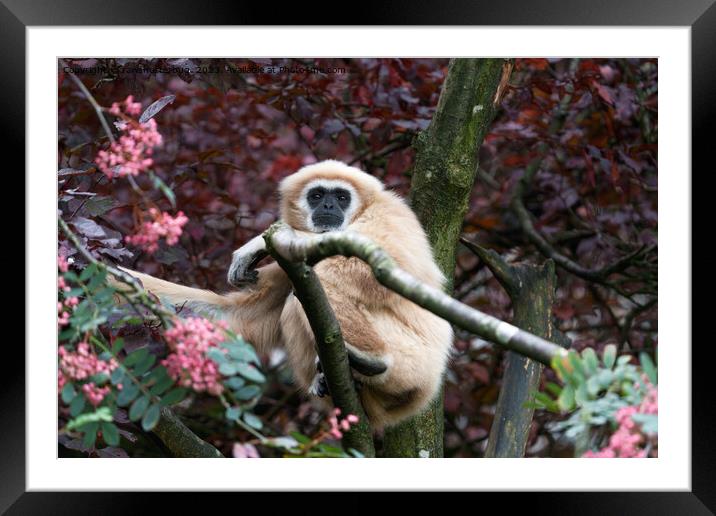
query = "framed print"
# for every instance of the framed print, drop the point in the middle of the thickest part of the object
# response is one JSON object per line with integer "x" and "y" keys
{"x": 420, "y": 250}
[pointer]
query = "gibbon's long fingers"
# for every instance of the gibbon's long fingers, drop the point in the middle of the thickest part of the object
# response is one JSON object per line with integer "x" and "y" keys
{"x": 244, "y": 260}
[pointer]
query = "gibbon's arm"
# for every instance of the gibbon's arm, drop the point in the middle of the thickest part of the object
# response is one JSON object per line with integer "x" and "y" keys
{"x": 253, "y": 312}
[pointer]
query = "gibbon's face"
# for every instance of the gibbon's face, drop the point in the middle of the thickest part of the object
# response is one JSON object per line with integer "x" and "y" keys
{"x": 329, "y": 204}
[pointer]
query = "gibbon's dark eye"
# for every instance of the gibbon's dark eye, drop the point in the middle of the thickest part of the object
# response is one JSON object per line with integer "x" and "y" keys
{"x": 316, "y": 196}
{"x": 342, "y": 197}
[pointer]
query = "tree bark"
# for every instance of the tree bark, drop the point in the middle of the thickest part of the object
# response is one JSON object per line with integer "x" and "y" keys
{"x": 445, "y": 169}
{"x": 329, "y": 345}
{"x": 181, "y": 441}
{"x": 532, "y": 295}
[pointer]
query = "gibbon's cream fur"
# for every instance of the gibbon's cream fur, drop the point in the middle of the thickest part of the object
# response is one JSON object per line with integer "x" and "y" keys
{"x": 376, "y": 322}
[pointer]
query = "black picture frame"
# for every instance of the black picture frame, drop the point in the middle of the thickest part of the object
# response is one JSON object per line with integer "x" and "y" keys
{"x": 700, "y": 15}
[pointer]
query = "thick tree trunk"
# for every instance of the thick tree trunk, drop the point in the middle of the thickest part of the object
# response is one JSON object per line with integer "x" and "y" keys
{"x": 443, "y": 177}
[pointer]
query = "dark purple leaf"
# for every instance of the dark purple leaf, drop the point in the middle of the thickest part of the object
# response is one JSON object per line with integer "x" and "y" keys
{"x": 155, "y": 107}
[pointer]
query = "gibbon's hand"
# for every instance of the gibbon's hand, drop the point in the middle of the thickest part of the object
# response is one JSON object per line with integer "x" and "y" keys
{"x": 242, "y": 271}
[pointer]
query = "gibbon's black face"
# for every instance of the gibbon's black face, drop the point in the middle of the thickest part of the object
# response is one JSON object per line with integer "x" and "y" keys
{"x": 328, "y": 207}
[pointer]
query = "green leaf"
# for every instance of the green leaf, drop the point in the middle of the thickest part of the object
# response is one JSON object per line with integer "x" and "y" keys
{"x": 117, "y": 346}
{"x": 303, "y": 439}
{"x": 233, "y": 413}
{"x": 217, "y": 355}
{"x": 578, "y": 373}
{"x": 127, "y": 394}
{"x": 609, "y": 356}
{"x": 253, "y": 421}
{"x": 97, "y": 280}
{"x": 590, "y": 360}
{"x": 553, "y": 388}
{"x": 88, "y": 272}
{"x": 593, "y": 385}
{"x": 248, "y": 392}
{"x": 244, "y": 353}
{"x": 77, "y": 405}
{"x": 101, "y": 414}
{"x": 68, "y": 393}
{"x": 235, "y": 382}
{"x": 250, "y": 372}
{"x": 136, "y": 356}
{"x": 566, "y": 399}
{"x": 228, "y": 368}
{"x": 161, "y": 386}
{"x": 162, "y": 186}
{"x": 648, "y": 366}
{"x": 117, "y": 376}
{"x": 545, "y": 401}
{"x": 557, "y": 364}
{"x": 138, "y": 408}
{"x": 649, "y": 422}
{"x": 623, "y": 360}
{"x": 90, "y": 435}
{"x": 581, "y": 396}
{"x": 110, "y": 434}
{"x": 151, "y": 417}
{"x": 143, "y": 366}
{"x": 174, "y": 396}
{"x": 281, "y": 442}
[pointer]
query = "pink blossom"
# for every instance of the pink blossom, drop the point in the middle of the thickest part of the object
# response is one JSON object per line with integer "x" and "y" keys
{"x": 628, "y": 440}
{"x": 162, "y": 225}
{"x": 82, "y": 364}
{"x": 130, "y": 154}
{"x": 94, "y": 394}
{"x": 245, "y": 451}
{"x": 188, "y": 364}
{"x": 62, "y": 263}
{"x": 64, "y": 310}
{"x": 339, "y": 426}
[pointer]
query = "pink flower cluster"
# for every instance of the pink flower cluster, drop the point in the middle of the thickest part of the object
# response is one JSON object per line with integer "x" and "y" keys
{"x": 188, "y": 364}
{"x": 245, "y": 451}
{"x": 62, "y": 263}
{"x": 64, "y": 310}
{"x": 628, "y": 440}
{"x": 338, "y": 427}
{"x": 80, "y": 365}
{"x": 161, "y": 225}
{"x": 129, "y": 155}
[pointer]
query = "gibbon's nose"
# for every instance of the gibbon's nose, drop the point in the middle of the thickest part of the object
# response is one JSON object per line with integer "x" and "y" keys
{"x": 328, "y": 205}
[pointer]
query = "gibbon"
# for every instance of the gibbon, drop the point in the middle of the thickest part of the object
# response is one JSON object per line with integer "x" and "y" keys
{"x": 411, "y": 342}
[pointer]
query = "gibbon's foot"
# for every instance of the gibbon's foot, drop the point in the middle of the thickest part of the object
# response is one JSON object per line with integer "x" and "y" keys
{"x": 319, "y": 387}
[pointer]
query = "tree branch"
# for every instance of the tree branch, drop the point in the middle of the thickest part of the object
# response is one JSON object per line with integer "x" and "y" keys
{"x": 181, "y": 441}
{"x": 311, "y": 249}
{"x": 330, "y": 346}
